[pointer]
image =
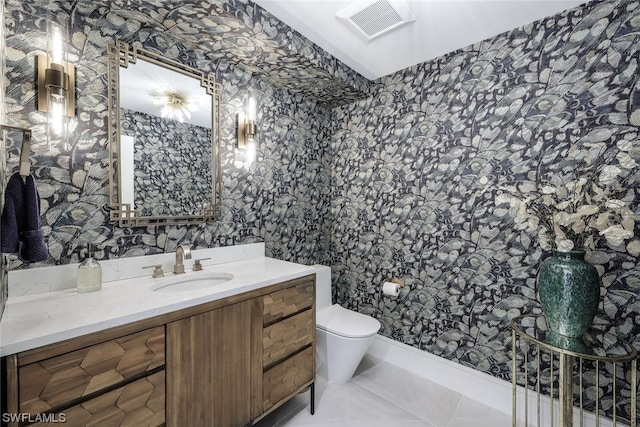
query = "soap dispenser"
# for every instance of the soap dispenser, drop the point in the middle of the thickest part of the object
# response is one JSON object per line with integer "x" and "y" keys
{"x": 89, "y": 273}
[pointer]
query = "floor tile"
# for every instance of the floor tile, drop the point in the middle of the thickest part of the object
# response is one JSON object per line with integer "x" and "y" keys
{"x": 385, "y": 395}
{"x": 472, "y": 413}
{"x": 345, "y": 405}
{"x": 423, "y": 398}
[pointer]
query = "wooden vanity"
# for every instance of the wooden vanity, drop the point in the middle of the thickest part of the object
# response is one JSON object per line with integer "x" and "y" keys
{"x": 225, "y": 363}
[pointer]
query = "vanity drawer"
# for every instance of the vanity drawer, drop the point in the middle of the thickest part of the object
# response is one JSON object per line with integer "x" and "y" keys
{"x": 59, "y": 380}
{"x": 284, "y": 338}
{"x": 140, "y": 403}
{"x": 288, "y": 301}
{"x": 287, "y": 377}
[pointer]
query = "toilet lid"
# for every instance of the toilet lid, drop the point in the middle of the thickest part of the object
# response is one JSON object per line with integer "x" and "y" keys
{"x": 340, "y": 321}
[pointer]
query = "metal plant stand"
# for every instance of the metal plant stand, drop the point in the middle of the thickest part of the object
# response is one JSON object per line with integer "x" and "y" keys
{"x": 557, "y": 365}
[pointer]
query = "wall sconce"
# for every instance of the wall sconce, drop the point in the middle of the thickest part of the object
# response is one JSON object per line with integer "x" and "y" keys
{"x": 56, "y": 79}
{"x": 247, "y": 124}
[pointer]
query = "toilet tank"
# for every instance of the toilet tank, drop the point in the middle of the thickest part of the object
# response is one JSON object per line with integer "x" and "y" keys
{"x": 323, "y": 286}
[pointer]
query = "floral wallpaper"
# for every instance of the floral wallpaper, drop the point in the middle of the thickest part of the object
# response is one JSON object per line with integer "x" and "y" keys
{"x": 418, "y": 166}
{"x": 397, "y": 177}
{"x": 3, "y": 166}
{"x": 172, "y": 164}
{"x": 288, "y": 179}
{"x": 240, "y": 35}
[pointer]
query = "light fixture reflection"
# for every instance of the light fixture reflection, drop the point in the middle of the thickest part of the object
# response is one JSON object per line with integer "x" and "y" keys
{"x": 174, "y": 104}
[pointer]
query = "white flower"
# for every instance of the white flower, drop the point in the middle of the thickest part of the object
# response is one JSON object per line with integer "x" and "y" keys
{"x": 563, "y": 218}
{"x": 633, "y": 247}
{"x": 588, "y": 242}
{"x": 616, "y": 234}
{"x": 563, "y": 245}
{"x": 628, "y": 223}
{"x": 547, "y": 199}
{"x": 602, "y": 222}
{"x": 578, "y": 226}
{"x": 587, "y": 210}
{"x": 568, "y": 213}
{"x": 543, "y": 238}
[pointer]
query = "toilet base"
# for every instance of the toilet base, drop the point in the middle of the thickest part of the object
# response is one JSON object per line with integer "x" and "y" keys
{"x": 339, "y": 357}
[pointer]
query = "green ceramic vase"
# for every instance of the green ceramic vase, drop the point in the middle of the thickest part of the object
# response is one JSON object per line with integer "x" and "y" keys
{"x": 569, "y": 292}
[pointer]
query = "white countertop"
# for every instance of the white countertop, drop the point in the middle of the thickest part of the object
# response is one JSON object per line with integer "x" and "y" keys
{"x": 35, "y": 320}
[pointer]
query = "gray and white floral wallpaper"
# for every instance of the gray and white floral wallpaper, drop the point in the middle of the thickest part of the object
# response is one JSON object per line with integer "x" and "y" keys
{"x": 396, "y": 177}
{"x": 418, "y": 165}
{"x": 72, "y": 175}
{"x": 3, "y": 166}
{"x": 171, "y": 164}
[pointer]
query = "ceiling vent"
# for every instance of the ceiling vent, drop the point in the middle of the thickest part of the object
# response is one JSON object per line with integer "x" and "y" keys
{"x": 371, "y": 19}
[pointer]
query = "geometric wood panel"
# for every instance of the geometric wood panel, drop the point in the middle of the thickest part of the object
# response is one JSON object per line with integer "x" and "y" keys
{"x": 56, "y": 381}
{"x": 284, "y": 338}
{"x": 287, "y": 377}
{"x": 283, "y": 303}
{"x": 140, "y": 403}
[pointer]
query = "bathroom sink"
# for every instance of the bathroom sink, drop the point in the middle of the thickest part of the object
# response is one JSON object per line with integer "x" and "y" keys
{"x": 191, "y": 282}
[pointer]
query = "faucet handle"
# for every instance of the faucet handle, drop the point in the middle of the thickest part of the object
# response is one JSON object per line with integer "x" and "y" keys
{"x": 157, "y": 272}
{"x": 197, "y": 265}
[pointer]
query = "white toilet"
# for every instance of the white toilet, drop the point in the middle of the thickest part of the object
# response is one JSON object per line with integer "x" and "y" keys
{"x": 342, "y": 336}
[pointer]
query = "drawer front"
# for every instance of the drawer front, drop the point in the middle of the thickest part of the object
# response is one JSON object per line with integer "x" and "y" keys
{"x": 288, "y": 301}
{"x": 286, "y": 337}
{"x": 287, "y": 377}
{"x": 140, "y": 403}
{"x": 56, "y": 381}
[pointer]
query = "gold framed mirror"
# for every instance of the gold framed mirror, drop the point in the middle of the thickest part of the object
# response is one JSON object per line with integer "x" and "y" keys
{"x": 164, "y": 140}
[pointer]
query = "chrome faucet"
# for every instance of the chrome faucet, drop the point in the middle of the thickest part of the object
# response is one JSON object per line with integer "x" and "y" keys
{"x": 183, "y": 251}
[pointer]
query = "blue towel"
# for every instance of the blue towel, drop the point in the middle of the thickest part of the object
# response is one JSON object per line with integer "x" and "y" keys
{"x": 21, "y": 233}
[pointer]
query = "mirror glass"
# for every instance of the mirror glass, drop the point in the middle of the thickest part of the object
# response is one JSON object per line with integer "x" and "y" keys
{"x": 165, "y": 147}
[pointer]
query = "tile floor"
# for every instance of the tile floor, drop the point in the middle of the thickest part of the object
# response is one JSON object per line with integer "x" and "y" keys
{"x": 384, "y": 395}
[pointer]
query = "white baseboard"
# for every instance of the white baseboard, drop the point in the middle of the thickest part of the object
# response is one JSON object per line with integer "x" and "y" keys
{"x": 491, "y": 391}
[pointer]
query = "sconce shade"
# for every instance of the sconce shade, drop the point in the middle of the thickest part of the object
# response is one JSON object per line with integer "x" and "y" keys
{"x": 247, "y": 127}
{"x": 56, "y": 80}
{"x": 56, "y": 87}
{"x": 252, "y": 110}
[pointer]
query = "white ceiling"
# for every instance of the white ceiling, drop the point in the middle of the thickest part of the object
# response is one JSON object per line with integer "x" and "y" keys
{"x": 441, "y": 26}
{"x": 140, "y": 81}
